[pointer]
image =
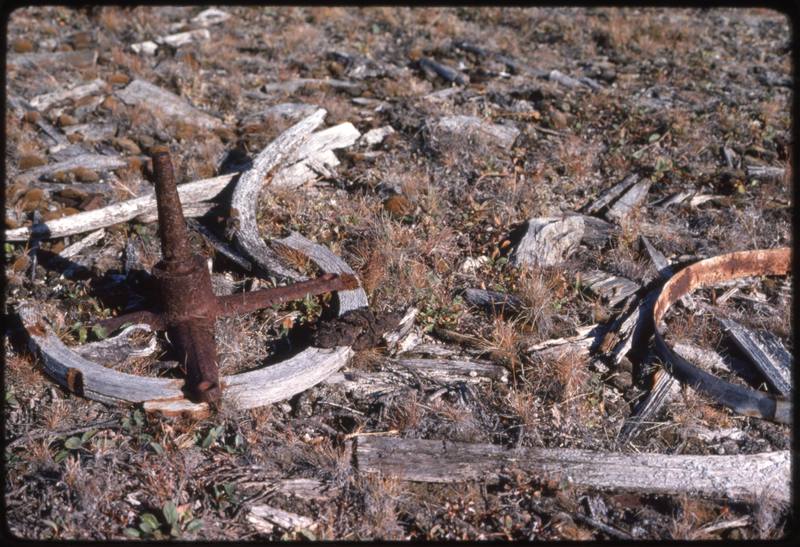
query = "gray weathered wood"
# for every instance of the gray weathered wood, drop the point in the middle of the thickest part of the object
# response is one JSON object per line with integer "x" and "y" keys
{"x": 596, "y": 232}
{"x": 486, "y": 133}
{"x": 158, "y": 100}
{"x": 83, "y": 243}
{"x": 493, "y": 301}
{"x": 95, "y": 162}
{"x": 665, "y": 387}
{"x": 629, "y": 201}
{"x": 265, "y": 518}
{"x": 548, "y": 241}
{"x": 220, "y": 246}
{"x": 766, "y": 352}
{"x": 450, "y": 74}
{"x": 46, "y": 100}
{"x": 766, "y": 172}
{"x": 611, "y": 288}
{"x": 121, "y": 347}
{"x": 245, "y": 195}
{"x": 87, "y": 221}
{"x": 739, "y": 477}
{"x": 290, "y": 86}
{"x": 610, "y": 194}
{"x": 453, "y": 369}
{"x": 82, "y": 59}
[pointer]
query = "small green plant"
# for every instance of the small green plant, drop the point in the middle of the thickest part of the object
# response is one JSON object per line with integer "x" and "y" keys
{"x": 73, "y": 444}
{"x": 173, "y": 523}
{"x": 225, "y": 495}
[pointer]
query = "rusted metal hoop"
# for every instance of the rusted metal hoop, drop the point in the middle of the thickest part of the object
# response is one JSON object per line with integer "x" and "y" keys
{"x": 709, "y": 272}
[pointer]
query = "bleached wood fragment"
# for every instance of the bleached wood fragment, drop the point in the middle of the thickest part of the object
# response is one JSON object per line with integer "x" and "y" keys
{"x": 87, "y": 221}
{"x": 245, "y": 195}
{"x": 290, "y": 86}
{"x": 399, "y": 339}
{"x": 486, "y": 133}
{"x": 376, "y": 136}
{"x": 82, "y": 58}
{"x": 610, "y": 194}
{"x": 665, "y": 387}
{"x": 570, "y": 82}
{"x": 78, "y": 246}
{"x": 766, "y": 172}
{"x": 210, "y": 16}
{"x": 448, "y": 370}
{"x": 265, "y": 518}
{"x": 738, "y": 477}
{"x": 766, "y": 352}
{"x": 190, "y": 210}
{"x": 548, "y": 241}
{"x": 664, "y": 269}
{"x": 121, "y": 347}
{"x": 611, "y": 288}
{"x": 315, "y": 151}
{"x": 156, "y": 99}
{"x": 183, "y": 38}
{"x": 95, "y": 162}
{"x": 287, "y": 111}
{"x": 45, "y": 101}
{"x": 148, "y": 47}
{"x": 93, "y": 131}
{"x": 630, "y": 201}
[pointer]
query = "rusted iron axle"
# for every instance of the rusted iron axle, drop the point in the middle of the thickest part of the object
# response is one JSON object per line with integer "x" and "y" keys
{"x": 188, "y": 306}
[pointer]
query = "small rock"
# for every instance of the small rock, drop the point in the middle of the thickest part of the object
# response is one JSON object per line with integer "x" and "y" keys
{"x": 148, "y": 48}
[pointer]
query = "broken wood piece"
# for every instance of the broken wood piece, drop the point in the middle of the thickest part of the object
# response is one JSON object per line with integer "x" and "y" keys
{"x": 121, "y": 347}
{"x": 45, "y": 101}
{"x": 87, "y": 221}
{"x": 739, "y": 477}
{"x": 435, "y": 68}
{"x": 766, "y": 352}
{"x": 376, "y": 136}
{"x": 572, "y": 83}
{"x": 610, "y": 194}
{"x": 82, "y": 58}
{"x": 664, "y": 388}
{"x": 147, "y": 47}
{"x": 765, "y": 172}
{"x": 596, "y": 232}
{"x": 183, "y": 38}
{"x": 582, "y": 344}
{"x": 629, "y": 329}
{"x": 316, "y": 150}
{"x": 486, "y": 133}
{"x": 493, "y": 302}
{"x": 291, "y": 86}
{"x": 191, "y": 210}
{"x": 548, "y": 241}
{"x": 707, "y": 273}
{"x": 93, "y": 131}
{"x": 611, "y": 288}
{"x": 244, "y": 201}
{"x": 84, "y": 243}
{"x": 401, "y": 338}
{"x": 448, "y": 370}
{"x": 265, "y": 518}
{"x": 95, "y": 162}
{"x": 630, "y": 201}
{"x": 210, "y": 16}
{"x": 158, "y": 100}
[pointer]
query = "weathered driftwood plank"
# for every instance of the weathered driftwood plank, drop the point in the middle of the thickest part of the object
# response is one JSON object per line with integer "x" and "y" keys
{"x": 548, "y": 241}
{"x": 739, "y": 477}
{"x": 87, "y": 221}
{"x": 486, "y": 133}
{"x": 317, "y": 149}
{"x": 629, "y": 201}
{"x": 156, "y": 99}
{"x": 665, "y": 387}
{"x": 265, "y": 518}
{"x": 449, "y": 370}
{"x": 245, "y": 195}
{"x": 46, "y": 100}
{"x": 585, "y": 342}
{"x": 82, "y": 58}
{"x": 765, "y": 172}
{"x": 766, "y": 352}
{"x": 492, "y": 301}
{"x": 78, "y": 246}
{"x": 610, "y": 194}
{"x": 290, "y": 86}
{"x": 120, "y": 347}
{"x": 611, "y": 288}
{"x": 95, "y": 162}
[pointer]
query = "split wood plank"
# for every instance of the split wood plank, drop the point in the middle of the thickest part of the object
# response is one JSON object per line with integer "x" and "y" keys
{"x": 548, "y": 241}
{"x": 46, "y": 100}
{"x": 737, "y": 477}
{"x": 610, "y": 194}
{"x": 492, "y": 301}
{"x": 665, "y": 387}
{"x": 766, "y": 352}
{"x": 159, "y": 100}
{"x": 611, "y": 288}
{"x": 265, "y": 518}
{"x": 629, "y": 201}
{"x": 95, "y": 162}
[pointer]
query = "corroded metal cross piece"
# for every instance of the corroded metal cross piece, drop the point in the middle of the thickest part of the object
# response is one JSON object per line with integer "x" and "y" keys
{"x": 188, "y": 305}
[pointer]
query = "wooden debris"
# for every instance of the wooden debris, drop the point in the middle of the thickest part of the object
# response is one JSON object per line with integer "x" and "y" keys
{"x": 739, "y": 477}
{"x": 158, "y": 100}
{"x": 84, "y": 243}
{"x": 316, "y": 151}
{"x": 83, "y": 58}
{"x": 766, "y": 352}
{"x": 399, "y": 339}
{"x": 765, "y": 172}
{"x": 630, "y": 201}
{"x": 548, "y": 241}
{"x": 570, "y": 82}
{"x": 265, "y": 518}
{"x": 434, "y": 68}
{"x": 286, "y": 111}
{"x": 93, "y": 131}
{"x": 585, "y": 342}
{"x": 449, "y": 370}
{"x": 121, "y": 347}
{"x": 123, "y": 211}
{"x": 376, "y": 136}
{"x": 183, "y": 38}
{"x": 493, "y": 302}
{"x": 610, "y": 194}
{"x": 596, "y": 232}
{"x": 611, "y": 288}
{"x": 210, "y": 16}
{"x": 665, "y": 387}
{"x": 45, "y": 101}
{"x": 245, "y": 195}
{"x": 95, "y": 162}
{"x": 664, "y": 269}
{"x": 486, "y": 133}
{"x": 291, "y": 86}
{"x": 147, "y": 47}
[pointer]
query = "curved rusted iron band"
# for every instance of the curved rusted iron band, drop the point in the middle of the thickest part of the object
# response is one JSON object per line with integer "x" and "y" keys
{"x": 742, "y": 400}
